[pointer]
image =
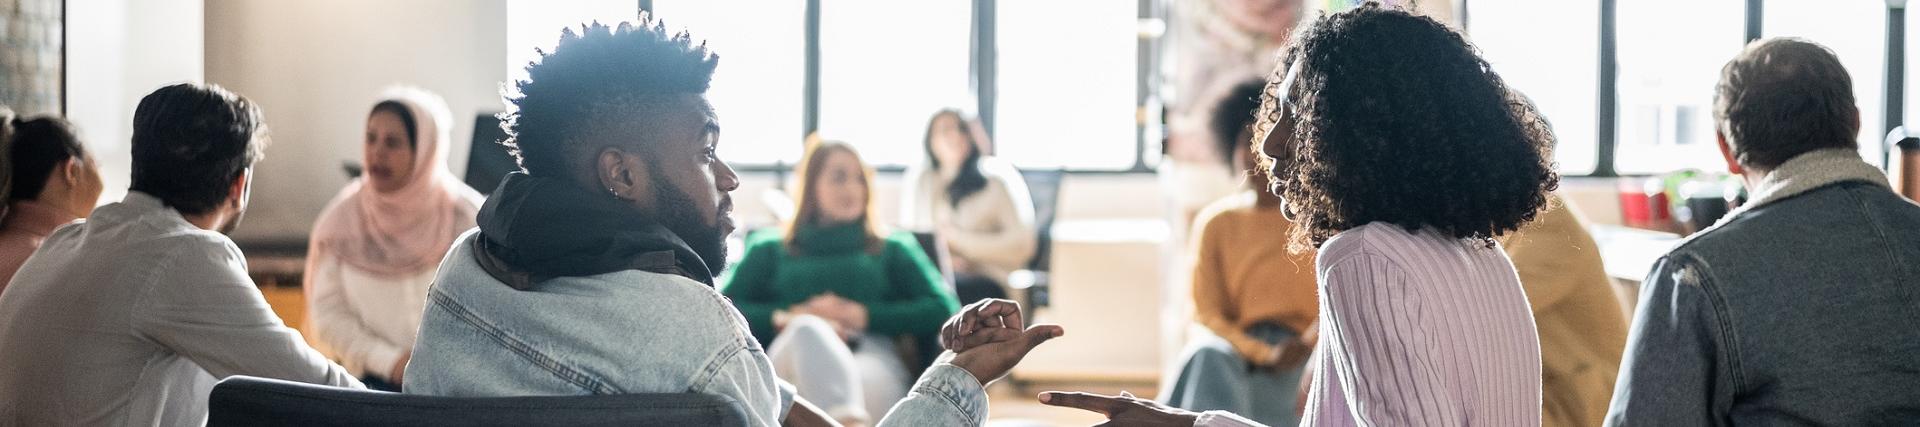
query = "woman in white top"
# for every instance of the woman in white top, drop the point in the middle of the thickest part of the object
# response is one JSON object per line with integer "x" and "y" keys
{"x": 978, "y": 204}
{"x": 377, "y": 245}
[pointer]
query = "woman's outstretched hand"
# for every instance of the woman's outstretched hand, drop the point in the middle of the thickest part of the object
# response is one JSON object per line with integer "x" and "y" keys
{"x": 1123, "y": 410}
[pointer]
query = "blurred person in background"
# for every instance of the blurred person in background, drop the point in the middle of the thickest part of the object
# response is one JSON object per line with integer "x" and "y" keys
{"x": 1254, "y": 297}
{"x": 833, "y": 287}
{"x": 1578, "y": 315}
{"x": 976, "y": 203}
{"x": 376, "y": 246}
{"x": 54, "y": 182}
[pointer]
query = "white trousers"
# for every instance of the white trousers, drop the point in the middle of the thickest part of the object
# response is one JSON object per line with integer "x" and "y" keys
{"x": 853, "y": 386}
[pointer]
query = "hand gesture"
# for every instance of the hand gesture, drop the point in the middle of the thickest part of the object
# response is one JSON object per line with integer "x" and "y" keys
{"x": 990, "y": 361}
{"x": 989, "y": 337}
{"x": 985, "y": 321}
{"x": 1123, "y": 410}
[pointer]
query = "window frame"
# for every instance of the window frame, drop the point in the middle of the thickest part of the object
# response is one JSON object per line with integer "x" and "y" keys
{"x": 1607, "y": 140}
{"x": 983, "y": 69}
{"x": 983, "y": 72}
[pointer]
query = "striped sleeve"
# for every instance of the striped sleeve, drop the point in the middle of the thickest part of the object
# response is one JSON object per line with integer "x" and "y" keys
{"x": 1376, "y": 341}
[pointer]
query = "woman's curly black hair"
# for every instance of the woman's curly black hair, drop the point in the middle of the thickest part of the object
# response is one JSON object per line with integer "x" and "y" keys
{"x": 1398, "y": 120}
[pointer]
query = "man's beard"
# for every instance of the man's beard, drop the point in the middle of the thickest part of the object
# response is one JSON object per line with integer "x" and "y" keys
{"x": 232, "y": 223}
{"x": 680, "y": 216}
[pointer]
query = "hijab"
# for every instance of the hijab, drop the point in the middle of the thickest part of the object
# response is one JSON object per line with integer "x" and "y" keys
{"x": 408, "y": 230}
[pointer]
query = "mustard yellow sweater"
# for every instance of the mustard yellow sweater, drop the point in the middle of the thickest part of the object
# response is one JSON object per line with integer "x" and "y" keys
{"x": 1243, "y": 274}
{"x": 1582, "y": 329}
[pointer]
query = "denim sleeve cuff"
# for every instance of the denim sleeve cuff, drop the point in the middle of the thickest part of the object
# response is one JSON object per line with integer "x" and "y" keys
{"x": 787, "y": 393}
{"x": 956, "y": 388}
{"x": 1222, "y": 419}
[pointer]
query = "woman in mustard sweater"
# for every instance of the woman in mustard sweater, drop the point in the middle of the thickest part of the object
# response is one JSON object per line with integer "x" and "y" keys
{"x": 832, "y": 290}
{"x": 1255, "y": 297}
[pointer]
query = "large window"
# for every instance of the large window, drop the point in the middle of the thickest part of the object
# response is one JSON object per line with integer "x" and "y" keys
{"x": 1669, "y": 61}
{"x": 886, "y": 66}
{"x": 1667, "y": 58}
{"x": 758, "y": 89}
{"x": 1547, "y": 50}
{"x": 1857, "y": 33}
{"x": 1911, "y": 114}
{"x": 1067, "y": 98}
{"x": 535, "y": 24}
{"x": 1061, "y": 76}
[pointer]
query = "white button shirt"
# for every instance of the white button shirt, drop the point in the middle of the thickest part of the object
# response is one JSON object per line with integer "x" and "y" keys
{"x": 130, "y": 317}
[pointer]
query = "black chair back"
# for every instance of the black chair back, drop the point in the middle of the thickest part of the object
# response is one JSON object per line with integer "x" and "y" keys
{"x": 488, "y": 162}
{"x": 250, "y": 401}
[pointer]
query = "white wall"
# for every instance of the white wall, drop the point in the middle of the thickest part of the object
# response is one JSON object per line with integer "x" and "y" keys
{"x": 316, "y": 68}
{"x": 117, "y": 52}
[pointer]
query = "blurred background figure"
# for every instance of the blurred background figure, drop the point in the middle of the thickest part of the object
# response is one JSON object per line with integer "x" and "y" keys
{"x": 832, "y": 291}
{"x": 1582, "y": 328}
{"x": 53, "y": 181}
{"x": 1219, "y": 43}
{"x": 976, "y": 203}
{"x": 1254, "y": 297}
{"x": 376, "y": 247}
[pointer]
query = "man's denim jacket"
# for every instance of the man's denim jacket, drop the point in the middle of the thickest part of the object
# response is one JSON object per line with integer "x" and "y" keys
{"x": 624, "y": 332}
{"x": 1799, "y": 308}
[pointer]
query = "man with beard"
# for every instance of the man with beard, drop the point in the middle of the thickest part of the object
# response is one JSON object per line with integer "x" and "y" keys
{"x": 129, "y": 317}
{"x": 592, "y": 268}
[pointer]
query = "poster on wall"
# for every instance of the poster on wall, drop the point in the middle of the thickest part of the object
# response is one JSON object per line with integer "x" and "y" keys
{"x": 33, "y": 56}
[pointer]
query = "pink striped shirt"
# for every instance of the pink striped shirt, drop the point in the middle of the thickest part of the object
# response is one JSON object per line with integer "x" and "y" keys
{"x": 1419, "y": 329}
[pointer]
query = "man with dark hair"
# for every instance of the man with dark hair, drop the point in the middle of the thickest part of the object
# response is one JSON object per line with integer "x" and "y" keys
{"x": 592, "y": 269}
{"x": 131, "y": 316}
{"x": 1799, "y": 306}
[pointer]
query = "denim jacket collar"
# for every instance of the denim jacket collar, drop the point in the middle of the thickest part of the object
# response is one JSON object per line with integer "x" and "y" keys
{"x": 1807, "y": 172}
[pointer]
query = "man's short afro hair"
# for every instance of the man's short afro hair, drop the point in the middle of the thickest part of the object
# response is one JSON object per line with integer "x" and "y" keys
{"x": 570, "y": 88}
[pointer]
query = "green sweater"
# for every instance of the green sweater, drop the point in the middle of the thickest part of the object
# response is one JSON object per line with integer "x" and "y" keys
{"x": 901, "y": 289}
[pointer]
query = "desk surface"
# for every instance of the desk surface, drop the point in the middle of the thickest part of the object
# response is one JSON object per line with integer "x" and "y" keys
{"x": 1629, "y": 253}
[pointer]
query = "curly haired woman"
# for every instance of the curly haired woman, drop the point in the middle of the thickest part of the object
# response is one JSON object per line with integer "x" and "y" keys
{"x": 1412, "y": 156}
{"x": 1408, "y": 157}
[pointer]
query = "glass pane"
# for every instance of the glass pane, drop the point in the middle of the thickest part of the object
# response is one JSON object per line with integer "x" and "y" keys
{"x": 885, "y": 67}
{"x": 1550, "y": 52}
{"x": 1913, "y": 70}
{"x": 1670, "y": 56}
{"x": 537, "y": 24}
{"x": 1066, "y": 98}
{"x": 758, "y": 87}
{"x": 1857, "y": 33}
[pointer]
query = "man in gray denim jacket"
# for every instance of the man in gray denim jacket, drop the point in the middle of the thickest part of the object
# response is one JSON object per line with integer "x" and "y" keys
{"x": 592, "y": 271}
{"x": 1800, "y": 307}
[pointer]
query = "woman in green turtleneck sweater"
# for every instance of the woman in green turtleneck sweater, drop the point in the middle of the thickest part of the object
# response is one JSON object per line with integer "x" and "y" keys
{"x": 831, "y": 291}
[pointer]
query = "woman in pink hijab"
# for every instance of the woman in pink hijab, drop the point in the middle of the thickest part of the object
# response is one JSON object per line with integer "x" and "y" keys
{"x": 377, "y": 245}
